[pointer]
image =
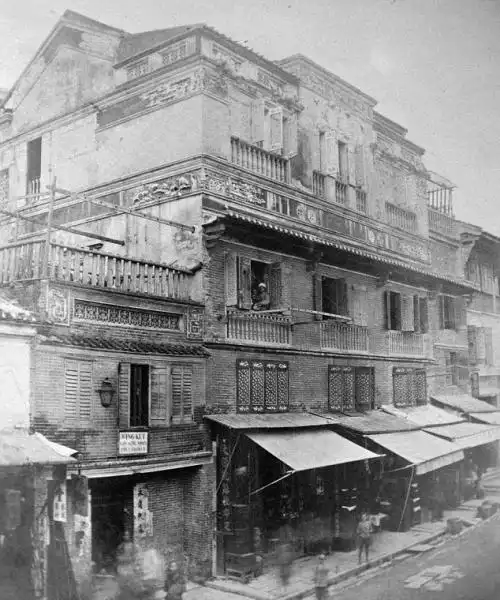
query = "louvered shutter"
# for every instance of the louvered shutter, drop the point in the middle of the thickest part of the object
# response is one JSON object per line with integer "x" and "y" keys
{"x": 359, "y": 161}
{"x": 416, "y": 314}
{"x": 85, "y": 392}
{"x": 332, "y": 153}
{"x": 343, "y": 297}
{"x": 317, "y": 295}
{"x": 359, "y": 311}
{"x": 407, "y": 318}
{"x": 351, "y": 164}
{"x": 71, "y": 389}
{"x": 182, "y": 393}
{"x": 231, "y": 278}
{"x": 387, "y": 309}
{"x": 257, "y": 116}
{"x": 473, "y": 345}
{"x": 124, "y": 395}
{"x": 424, "y": 315}
{"x": 276, "y": 285}
{"x": 276, "y": 129}
{"x": 159, "y": 395}
{"x": 244, "y": 283}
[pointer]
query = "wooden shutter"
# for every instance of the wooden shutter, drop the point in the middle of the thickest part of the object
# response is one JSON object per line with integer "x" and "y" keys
{"x": 488, "y": 345}
{"x": 71, "y": 389}
{"x": 257, "y": 118}
{"x": 416, "y": 314}
{"x": 291, "y": 146}
{"x": 276, "y": 129}
{"x": 343, "y": 297}
{"x": 335, "y": 388}
{"x": 441, "y": 312}
{"x": 124, "y": 395}
{"x": 244, "y": 283}
{"x": 359, "y": 165}
{"x": 424, "y": 315}
{"x": 276, "y": 285}
{"x": 365, "y": 388}
{"x": 182, "y": 393}
{"x": 332, "y": 153}
{"x": 473, "y": 345}
{"x": 387, "y": 309}
{"x": 407, "y": 317}
{"x": 78, "y": 390}
{"x": 159, "y": 395}
{"x": 460, "y": 308}
{"x": 231, "y": 278}
{"x": 359, "y": 305}
{"x": 85, "y": 392}
{"x": 351, "y": 164}
{"x": 420, "y": 386}
{"x": 317, "y": 281}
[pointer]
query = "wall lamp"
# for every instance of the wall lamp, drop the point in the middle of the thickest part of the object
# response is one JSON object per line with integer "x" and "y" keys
{"x": 106, "y": 393}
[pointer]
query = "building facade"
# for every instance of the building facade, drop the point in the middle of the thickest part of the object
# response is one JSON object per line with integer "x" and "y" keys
{"x": 222, "y": 248}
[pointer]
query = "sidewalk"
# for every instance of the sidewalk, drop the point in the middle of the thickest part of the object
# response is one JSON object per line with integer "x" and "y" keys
{"x": 387, "y": 545}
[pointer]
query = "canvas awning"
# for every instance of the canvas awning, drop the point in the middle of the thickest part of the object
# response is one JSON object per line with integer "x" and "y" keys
{"x": 268, "y": 420}
{"x": 18, "y": 447}
{"x": 467, "y": 435}
{"x": 463, "y": 403}
{"x": 423, "y": 450}
{"x": 425, "y": 416}
{"x": 493, "y": 417}
{"x": 310, "y": 449}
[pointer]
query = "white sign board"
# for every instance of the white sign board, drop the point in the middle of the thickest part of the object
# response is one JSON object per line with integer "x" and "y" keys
{"x": 133, "y": 442}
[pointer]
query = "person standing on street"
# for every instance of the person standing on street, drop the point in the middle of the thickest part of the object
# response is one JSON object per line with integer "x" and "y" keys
{"x": 364, "y": 532}
{"x": 321, "y": 579}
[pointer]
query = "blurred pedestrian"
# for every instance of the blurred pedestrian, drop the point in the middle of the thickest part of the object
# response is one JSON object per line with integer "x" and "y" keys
{"x": 175, "y": 584}
{"x": 285, "y": 563}
{"x": 364, "y": 532}
{"x": 321, "y": 579}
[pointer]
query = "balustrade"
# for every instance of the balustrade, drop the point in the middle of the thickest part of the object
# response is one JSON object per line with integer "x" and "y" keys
{"x": 441, "y": 222}
{"x": 259, "y": 160}
{"x": 360, "y": 200}
{"x": 33, "y": 189}
{"x": 270, "y": 328}
{"x": 341, "y": 188}
{"x": 319, "y": 184}
{"x": 400, "y": 217}
{"x": 96, "y": 269}
{"x": 408, "y": 343}
{"x": 345, "y": 337}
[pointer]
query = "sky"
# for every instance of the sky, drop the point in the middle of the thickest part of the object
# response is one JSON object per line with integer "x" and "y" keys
{"x": 432, "y": 65}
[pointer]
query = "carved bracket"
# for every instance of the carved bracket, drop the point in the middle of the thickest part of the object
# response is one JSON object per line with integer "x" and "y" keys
{"x": 212, "y": 233}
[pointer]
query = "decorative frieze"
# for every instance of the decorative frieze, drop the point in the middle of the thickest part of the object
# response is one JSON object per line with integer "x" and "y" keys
{"x": 170, "y": 187}
{"x": 195, "y": 320}
{"x": 178, "y": 51}
{"x": 110, "y": 314}
{"x": 58, "y": 305}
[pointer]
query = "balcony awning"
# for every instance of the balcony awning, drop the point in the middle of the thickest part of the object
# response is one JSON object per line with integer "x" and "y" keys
{"x": 492, "y": 417}
{"x": 268, "y": 421}
{"x": 304, "y": 450}
{"x": 423, "y": 450}
{"x": 463, "y": 403}
{"x": 20, "y": 448}
{"x": 424, "y": 416}
{"x": 375, "y": 421}
{"x": 467, "y": 435}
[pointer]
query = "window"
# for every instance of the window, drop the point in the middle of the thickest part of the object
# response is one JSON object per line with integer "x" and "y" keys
{"x": 392, "y": 301}
{"x": 343, "y": 161}
{"x": 409, "y": 386}
{"x": 78, "y": 391}
{"x": 242, "y": 279}
{"x": 420, "y": 314}
{"x": 323, "y": 163}
{"x": 457, "y": 370}
{"x": 155, "y": 395}
{"x": 262, "y": 386}
{"x": 334, "y": 298}
{"x": 34, "y": 166}
{"x": 406, "y": 313}
{"x": 351, "y": 388}
{"x": 449, "y": 312}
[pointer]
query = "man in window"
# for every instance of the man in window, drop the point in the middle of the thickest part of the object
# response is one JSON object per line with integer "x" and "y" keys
{"x": 261, "y": 300}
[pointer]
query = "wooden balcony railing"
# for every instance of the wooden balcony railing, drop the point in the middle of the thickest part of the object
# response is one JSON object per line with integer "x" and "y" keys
{"x": 361, "y": 200}
{"x": 33, "y": 188}
{"x": 95, "y": 269}
{"x": 400, "y": 217}
{"x": 408, "y": 343}
{"x": 341, "y": 188}
{"x": 441, "y": 222}
{"x": 319, "y": 184}
{"x": 259, "y": 160}
{"x": 270, "y": 328}
{"x": 343, "y": 336}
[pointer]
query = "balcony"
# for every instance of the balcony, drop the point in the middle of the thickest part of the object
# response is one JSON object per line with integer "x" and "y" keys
{"x": 400, "y": 217}
{"x": 408, "y": 343}
{"x": 343, "y": 337}
{"x": 360, "y": 200}
{"x": 259, "y": 160}
{"x": 33, "y": 189}
{"x": 319, "y": 184}
{"x": 440, "y": 222}
{"x": 341, "y": 188}
{"x": 270, "y": 328}
{"x": 24, "y": 262}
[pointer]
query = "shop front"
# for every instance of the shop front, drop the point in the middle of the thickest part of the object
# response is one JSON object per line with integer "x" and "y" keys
{"x": 285, "y": 481}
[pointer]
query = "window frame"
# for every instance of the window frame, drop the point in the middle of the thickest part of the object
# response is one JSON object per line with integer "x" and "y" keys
{"x": 133, "y": 366}
{"x": 251, "y": 365}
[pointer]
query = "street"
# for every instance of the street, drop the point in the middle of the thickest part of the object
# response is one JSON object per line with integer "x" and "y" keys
{"x": 466, "y": 567}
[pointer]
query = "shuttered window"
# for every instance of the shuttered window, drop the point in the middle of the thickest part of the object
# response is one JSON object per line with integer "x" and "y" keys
{"x": 182, "y": 393}
{"x": 78, "y": 390}
{"x": 262, "y": 386}
{"x": 350, "y": 388}
{"x": 409, "y": 386}
{"x": 334, "y": 296}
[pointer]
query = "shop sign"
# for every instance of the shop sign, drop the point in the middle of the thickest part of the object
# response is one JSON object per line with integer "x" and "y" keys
{"x": 59, "y": 509}
{"x": 133, "y": 442}
{"x": 143, "y": 517}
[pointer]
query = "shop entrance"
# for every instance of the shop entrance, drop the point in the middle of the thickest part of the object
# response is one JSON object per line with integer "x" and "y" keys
{"x": 111, "y": 517}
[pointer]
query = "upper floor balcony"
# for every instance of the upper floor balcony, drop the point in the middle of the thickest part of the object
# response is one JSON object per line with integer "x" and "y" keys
{"x": 440, "y": 222}
{"x": 260, "y": 328}
{"x": 344, "y": 337}
{"x": 408, "y": 343}
{"x": 263, "y": 162}
{"x": 401, "y": 218}
{"x": 29, "y": 261}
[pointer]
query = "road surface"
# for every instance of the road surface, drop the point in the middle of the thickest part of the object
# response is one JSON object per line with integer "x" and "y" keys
{"x": 466, "y": 567}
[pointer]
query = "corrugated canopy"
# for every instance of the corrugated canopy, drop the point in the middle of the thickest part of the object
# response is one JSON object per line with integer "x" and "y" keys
{"x": 425, "y": 415}
{"x": 427, "y": 452}
{"x": 464, "y": 403}
{"x": 492, "y": 417}
{"x": 376, "y": 421}
{"x": 467, "y": 435}
{"x": 19, "y": 447}
{"x": 304, "y": 450}
{"x": 269, "y": 420}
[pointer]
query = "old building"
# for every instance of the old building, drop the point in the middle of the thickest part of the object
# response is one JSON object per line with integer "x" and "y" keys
{"x": 221, "y": 244}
